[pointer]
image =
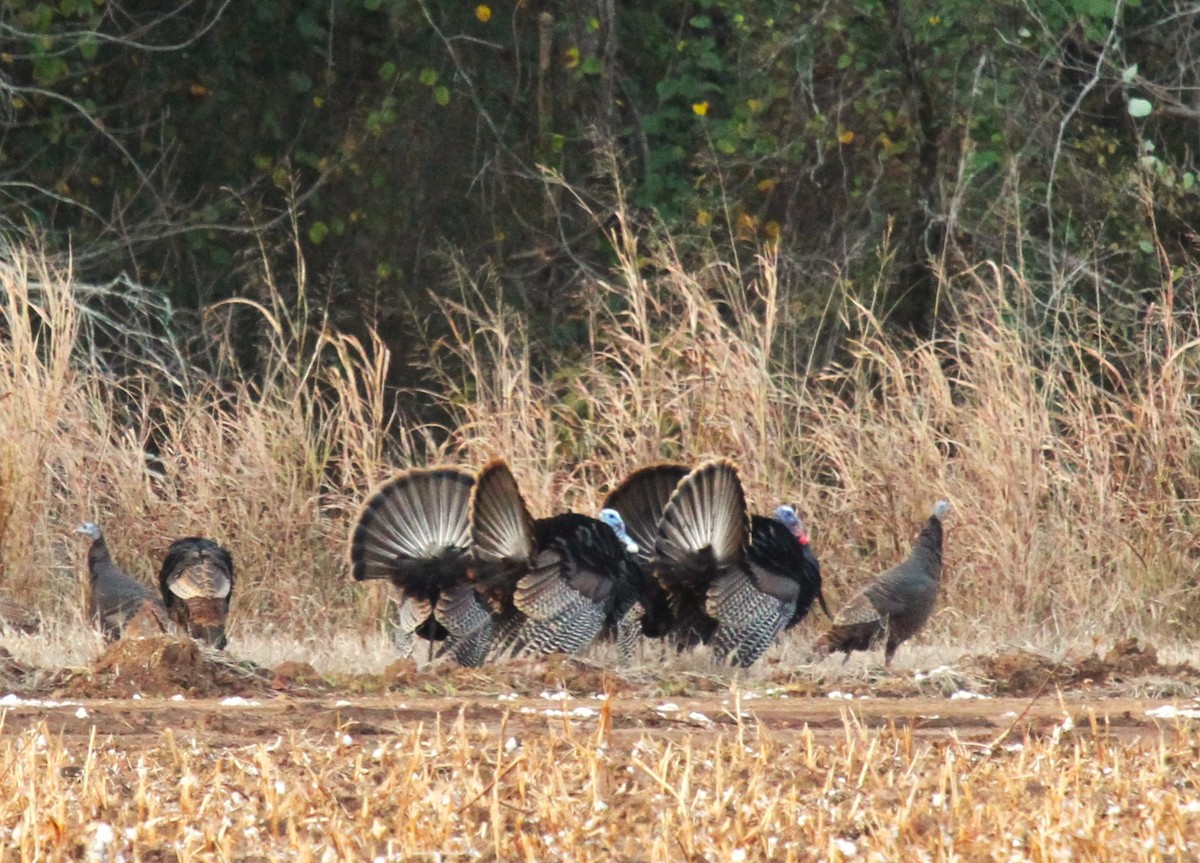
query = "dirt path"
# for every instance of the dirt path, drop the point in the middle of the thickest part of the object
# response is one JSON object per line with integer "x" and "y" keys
{"x": 241, "y": 721}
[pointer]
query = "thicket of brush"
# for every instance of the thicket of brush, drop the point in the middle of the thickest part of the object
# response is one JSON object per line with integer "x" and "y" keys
{"x": 1072, "y": 459}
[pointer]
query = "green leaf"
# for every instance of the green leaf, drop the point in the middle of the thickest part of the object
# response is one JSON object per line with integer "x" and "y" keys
{"x": 1146, "y": 246}
{"x": 300, "y": 82}
{"x": 372, "y": 5}
{"x": 428, "y": 77}
{"x": 844, "y": 61}
{"x": 1189, "y": 179}
{"x": 441, "y": 95}
{"x": 1129, "y": 73}
{"x": 701, "y": 22}
{"x": 387, "y": 71}
{"x": 318, "y": 232}
{"x": 1140, "y": 107}
{"x": 88, "y": 47}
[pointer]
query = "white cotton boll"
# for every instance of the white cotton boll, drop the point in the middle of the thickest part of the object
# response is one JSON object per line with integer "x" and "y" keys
{"x": 845, "y": 847}
{"x": 100, "y": 850}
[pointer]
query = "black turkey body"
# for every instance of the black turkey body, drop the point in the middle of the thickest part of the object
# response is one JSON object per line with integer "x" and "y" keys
{"x": 553, "y": 584}
{"x": 414, "y": 530}
{"x": 733, "y": 580}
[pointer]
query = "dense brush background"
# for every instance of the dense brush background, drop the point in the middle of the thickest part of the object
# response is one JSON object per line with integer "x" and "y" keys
{"x": 876, "y": 253}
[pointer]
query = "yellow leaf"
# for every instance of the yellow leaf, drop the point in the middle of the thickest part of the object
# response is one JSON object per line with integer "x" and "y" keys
{"x": 755, "y": 105}
{"x": 700, "y": 109}
{"x": 572, "y": 57}
{"x": 198, "y": 90}
{"x": 483, "y": 13}
{"x": 6, "y": 58}
{"x": 772, "y": 231}
{"x": 704, "y": 217}
{"x": 846, "y": 137}
{"x": 747, "y": 225}
{"x": 767, "y": 184}
{"x": 95, "y": 181}
{"x": 934, "y": 20}
{"x": 318, "y": 102}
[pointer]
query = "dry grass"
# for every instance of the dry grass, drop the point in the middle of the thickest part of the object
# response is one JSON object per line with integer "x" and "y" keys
{"x": 1073, "y": 463}
{"x": 567, "y": 790}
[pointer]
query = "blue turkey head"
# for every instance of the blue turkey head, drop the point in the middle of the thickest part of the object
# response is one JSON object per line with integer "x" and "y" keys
{"x": 613, "y": 519}
{"x": 786, "y": 516}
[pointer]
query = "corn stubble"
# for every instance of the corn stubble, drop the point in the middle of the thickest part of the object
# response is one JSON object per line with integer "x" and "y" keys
{"x": 567, "y": 792}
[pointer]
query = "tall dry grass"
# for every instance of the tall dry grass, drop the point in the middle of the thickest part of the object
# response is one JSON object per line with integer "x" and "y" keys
{"x": 268, "y": 464}
{"x": 1072, "y": 460}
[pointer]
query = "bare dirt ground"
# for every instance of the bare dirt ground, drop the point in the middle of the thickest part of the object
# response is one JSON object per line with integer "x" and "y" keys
{"x": 138, "y": 689}
{"x": 158, "y": 750}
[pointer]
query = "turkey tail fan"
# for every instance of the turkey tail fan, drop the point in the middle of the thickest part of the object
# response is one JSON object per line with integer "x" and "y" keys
{"x": 501, "y": 530}
{"x": 704, "y": 528}
{"x": 414, "y": 529}
{"x": 641, "y": 499}
{"x": 196, "y": 581}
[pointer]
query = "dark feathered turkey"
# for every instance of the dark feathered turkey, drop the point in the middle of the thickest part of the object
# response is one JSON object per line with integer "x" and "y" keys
{"x": 115, "y": 598}
{"x": 196, "y": 580}
{"x": 553, "y": 584}
{"x": 414, "y": 530}
{"x": 639, "y": 501}
{"x": 733, "y": 581}
{"x": 895, "y": 606}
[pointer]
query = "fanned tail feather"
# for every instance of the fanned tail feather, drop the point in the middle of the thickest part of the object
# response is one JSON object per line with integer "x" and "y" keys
{"x": 414, "y": 528}
{"x": 501, "y": 529}
{"x": 641, "y": 499}
{"x": 705, "y": 526}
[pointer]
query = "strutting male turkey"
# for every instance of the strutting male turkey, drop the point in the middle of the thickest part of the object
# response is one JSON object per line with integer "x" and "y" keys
{"x": 414, "y": 530}
{"x": 639, "y": 500}
{"x": 196, "y": 580}
{"x": 733, "y": 580}
{"x": 117, "y": 601}
{"x": 553, "y": 584}
{"x": 894, "y": 606}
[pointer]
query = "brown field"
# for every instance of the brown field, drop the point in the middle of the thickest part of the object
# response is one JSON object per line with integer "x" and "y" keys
{"x": 1071, "y": 455}
{"x": 205, "y": 758}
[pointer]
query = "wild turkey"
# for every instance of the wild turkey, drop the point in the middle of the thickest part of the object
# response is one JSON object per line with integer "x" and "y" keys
{"x": 895, "y": 606}
{"x": 734, "y": 581}
{"x": 639, "y": 500}
{"x": 414, "y": 530}
{"x": 783, "y": 541}
{"x": 115, "y": 597}
{"x": 196, "y": 580}
{"x": 554, "y": 584}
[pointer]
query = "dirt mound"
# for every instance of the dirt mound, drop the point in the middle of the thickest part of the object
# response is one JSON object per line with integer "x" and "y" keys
{"x": 1024, "y": 673}
{"x": 163, "y": 666}
{"x": 295, "y": 676}
{"x": 526, "y": 675}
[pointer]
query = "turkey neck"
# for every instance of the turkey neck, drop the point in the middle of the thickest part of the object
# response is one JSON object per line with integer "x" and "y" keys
{"x": 927, "y": 550}
{"x": 97, "y": 555}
